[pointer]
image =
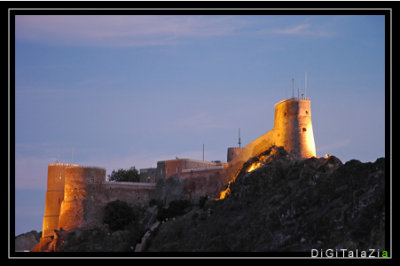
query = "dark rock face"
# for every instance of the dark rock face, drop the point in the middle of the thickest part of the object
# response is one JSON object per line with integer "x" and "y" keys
{"x": 287, "y": 204}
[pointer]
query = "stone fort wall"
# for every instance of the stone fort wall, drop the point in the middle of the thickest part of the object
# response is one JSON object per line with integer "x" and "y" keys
{"x": 76, "y": 196}
{"x": 292, "y": 129}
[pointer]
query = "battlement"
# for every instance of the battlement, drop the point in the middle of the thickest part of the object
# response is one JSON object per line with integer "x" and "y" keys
{"x": 303, "y": 98}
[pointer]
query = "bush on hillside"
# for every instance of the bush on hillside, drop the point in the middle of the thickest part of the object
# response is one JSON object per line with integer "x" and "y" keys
{"x": 118, "y": 214}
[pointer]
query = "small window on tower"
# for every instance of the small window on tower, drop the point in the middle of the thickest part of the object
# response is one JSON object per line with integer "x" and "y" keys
{"x": 306, "y": 112}
{"x": 304, "y": 129}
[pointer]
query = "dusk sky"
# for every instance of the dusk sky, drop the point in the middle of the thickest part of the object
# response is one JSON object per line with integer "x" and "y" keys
{"x": 122, "y": 91}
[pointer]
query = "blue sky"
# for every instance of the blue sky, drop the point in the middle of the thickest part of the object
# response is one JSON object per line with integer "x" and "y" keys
{"x": 121, "y": 91}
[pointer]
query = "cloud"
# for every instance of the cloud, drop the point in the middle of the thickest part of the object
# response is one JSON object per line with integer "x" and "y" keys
{"x": 304, "y": 29}
{"x": 123, "y": 30}
{"x": 294, "y": 30}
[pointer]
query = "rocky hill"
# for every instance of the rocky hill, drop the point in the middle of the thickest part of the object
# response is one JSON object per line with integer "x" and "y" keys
{"x": 276, "y": 202}
{"x": 286, "y": 204}
{"x": 27, "y": 240}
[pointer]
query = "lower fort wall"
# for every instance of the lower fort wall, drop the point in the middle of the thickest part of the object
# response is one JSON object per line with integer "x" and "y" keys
{"x": 201, "y": 182}
{"x": 131, "y": 192}
{"x": 253, "y": 149}
{"x": 86, "y": 193}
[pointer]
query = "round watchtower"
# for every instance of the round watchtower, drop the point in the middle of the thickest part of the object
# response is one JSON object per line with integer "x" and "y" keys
{"x": 81, "y": 184}
{"x": 293, "y": 127}
{"x": 232, "y": 153}
{"x": 54, "y": 196}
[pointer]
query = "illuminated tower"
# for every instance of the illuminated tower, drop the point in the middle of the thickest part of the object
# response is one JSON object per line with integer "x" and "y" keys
{"x": 82, "y": 186}
{"x": 54, "y": 196}
{"x": 292, "y": 130}
{"x": 293, "y": 127}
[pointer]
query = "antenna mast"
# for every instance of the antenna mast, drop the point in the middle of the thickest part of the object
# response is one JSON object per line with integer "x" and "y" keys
{"x": 298, "y": 89}
{"x": 292, "y": 87}
{"x": 239, "y": 139}
{"x": 203, "y": 152}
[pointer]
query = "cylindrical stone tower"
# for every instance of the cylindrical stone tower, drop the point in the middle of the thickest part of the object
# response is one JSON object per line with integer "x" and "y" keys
{"x": 54, "y": 196}
{"x": 233, "y": 152}
{"x": 80, "y": 185}
{"x": 293, "y": 127}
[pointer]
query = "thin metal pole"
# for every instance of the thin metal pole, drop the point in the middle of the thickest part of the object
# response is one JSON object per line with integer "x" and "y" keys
{"x": 239, "y": 139}
{"x": 298, "y": 89}
{"x": 203, "y": 152}
{"x": 292, "y": 87}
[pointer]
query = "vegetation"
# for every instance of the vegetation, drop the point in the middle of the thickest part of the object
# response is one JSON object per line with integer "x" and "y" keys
{"x": 122, "y": 175}
{"x": 118, "y": 214}
{"x": 176, "y": 208}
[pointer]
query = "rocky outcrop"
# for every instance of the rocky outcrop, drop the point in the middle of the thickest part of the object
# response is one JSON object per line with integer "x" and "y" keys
{"x": 287, "y": 204}
{"x": 26, "y": 241}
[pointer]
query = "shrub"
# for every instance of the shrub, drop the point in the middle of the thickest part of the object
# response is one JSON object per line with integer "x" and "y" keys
{"x": 118, "y": 214}
{"x": 176, "y": 207}
{"x": 122, "y": 175}
{"x": 202, "y": 201}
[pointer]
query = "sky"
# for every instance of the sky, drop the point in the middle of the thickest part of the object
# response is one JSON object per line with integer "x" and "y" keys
{"x": 121, "y": 91}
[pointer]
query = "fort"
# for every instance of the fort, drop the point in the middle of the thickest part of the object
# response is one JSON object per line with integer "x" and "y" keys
{"x": 76, "y": 194}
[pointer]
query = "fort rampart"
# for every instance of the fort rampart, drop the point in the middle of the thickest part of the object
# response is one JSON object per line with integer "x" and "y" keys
{"x": 292, "y": 129}
{"x": 76, "y": 195}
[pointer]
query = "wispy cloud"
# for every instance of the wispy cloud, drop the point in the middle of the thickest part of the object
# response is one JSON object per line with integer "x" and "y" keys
{"x": 112, "y": 30}
{"x": 294, "y": 30}
{"x": 304, "y": 29}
